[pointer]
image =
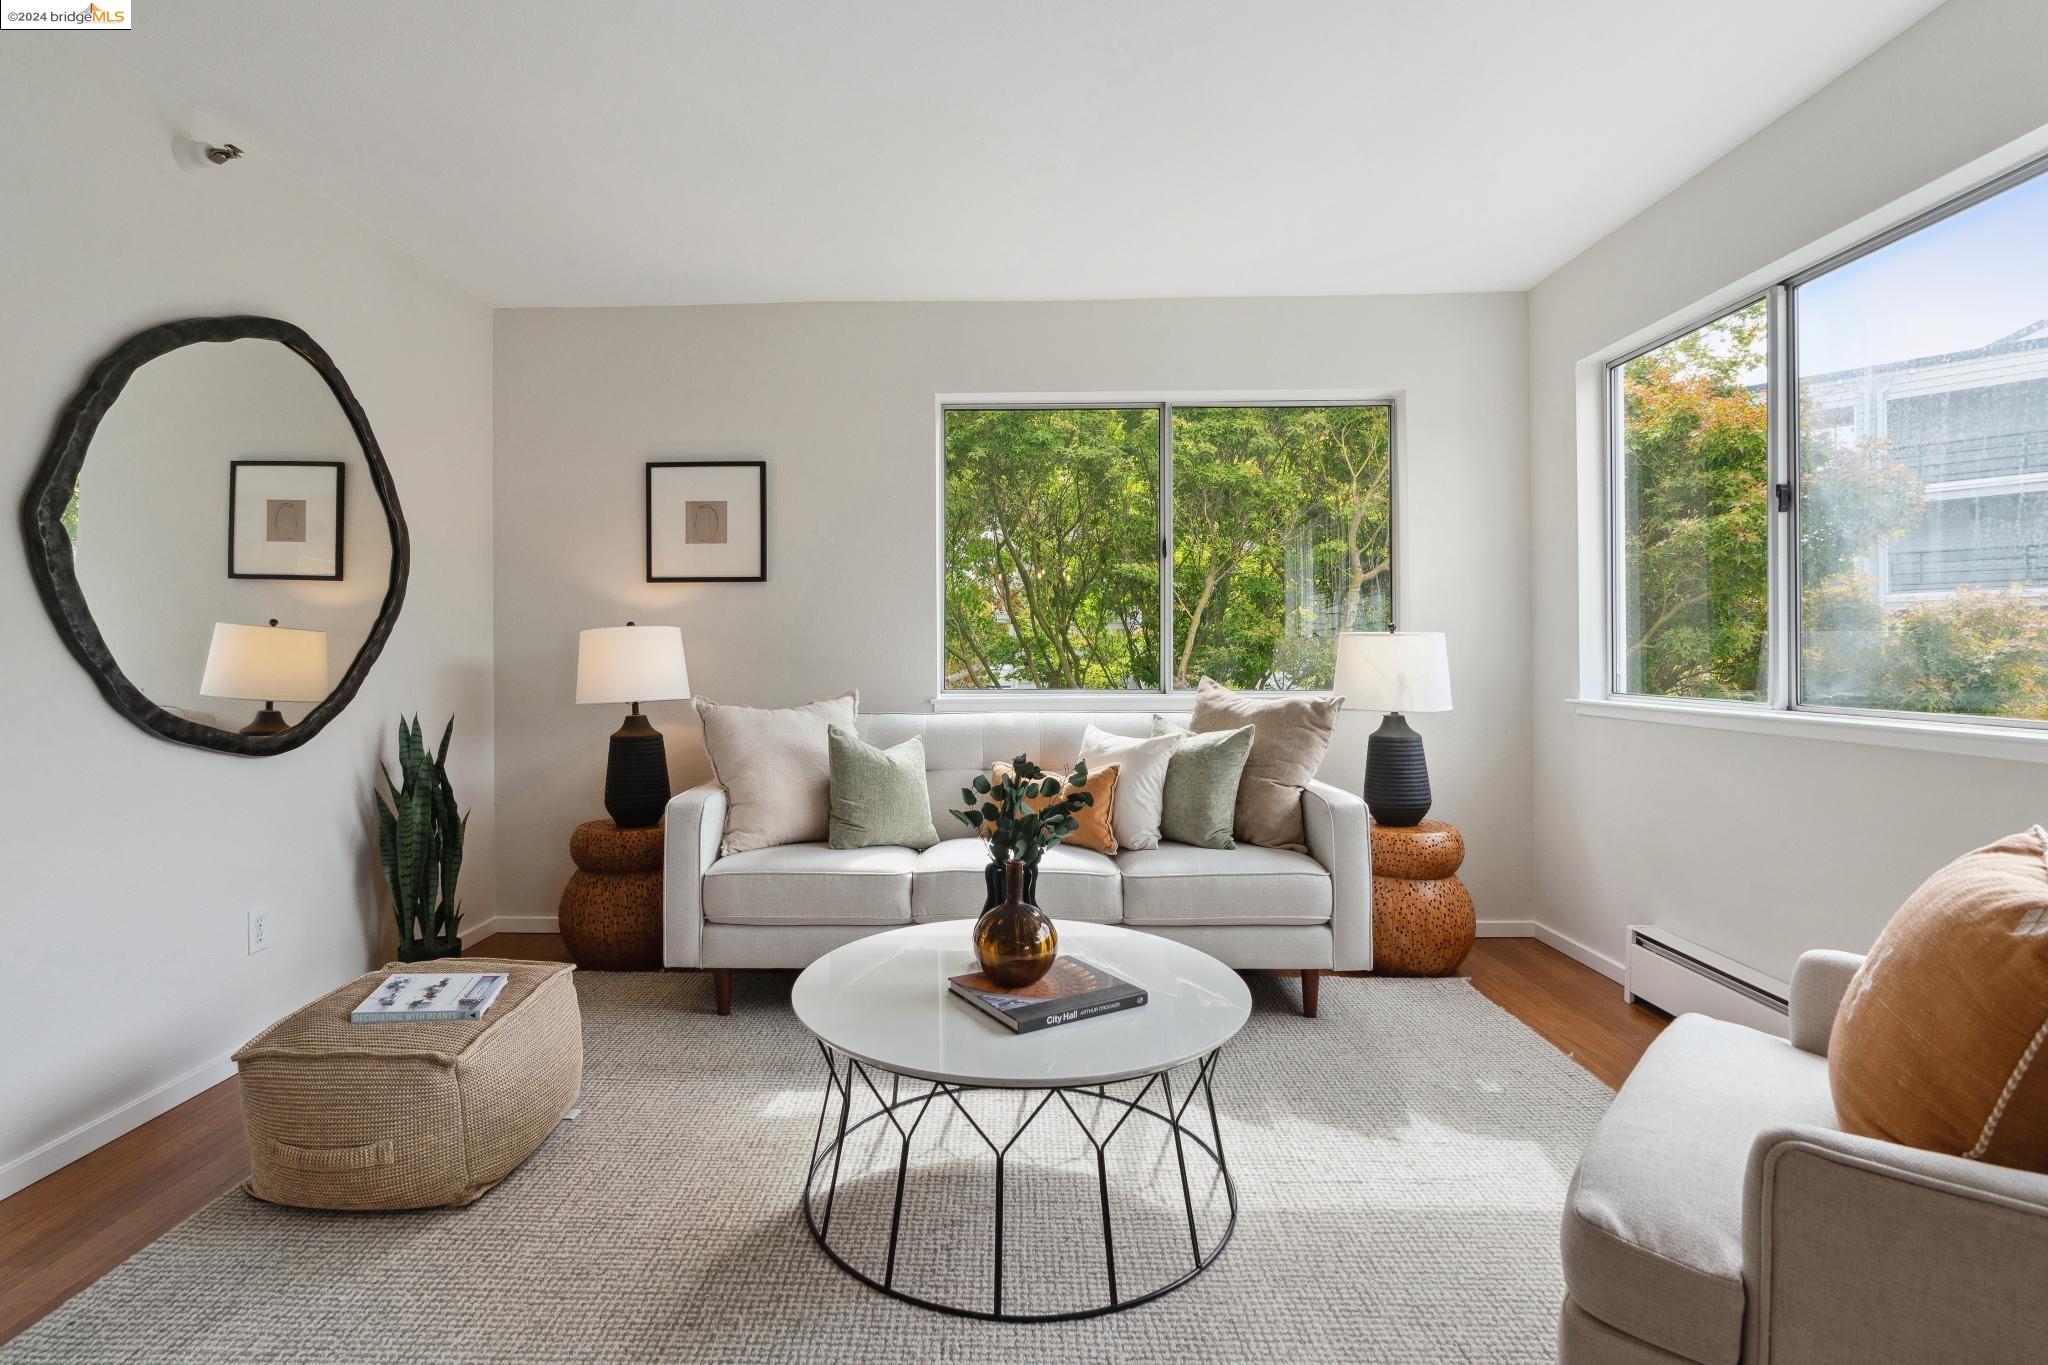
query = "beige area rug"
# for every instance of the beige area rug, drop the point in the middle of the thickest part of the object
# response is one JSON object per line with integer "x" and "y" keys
{"x": 1400, "y": 1162}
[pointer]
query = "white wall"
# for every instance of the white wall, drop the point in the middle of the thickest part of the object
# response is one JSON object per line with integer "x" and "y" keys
{"x": 131, "y": 862}
{"x": 839, "y": 400}
{"x": 1759, "y": 846}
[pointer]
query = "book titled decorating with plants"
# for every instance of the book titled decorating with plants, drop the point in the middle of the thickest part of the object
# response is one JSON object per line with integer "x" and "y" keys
{"x": 1072, "y": 991}
{"x": 430, "y": 998}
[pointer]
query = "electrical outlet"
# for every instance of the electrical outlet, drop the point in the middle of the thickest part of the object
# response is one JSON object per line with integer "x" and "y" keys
{"x": 259, "y": 930}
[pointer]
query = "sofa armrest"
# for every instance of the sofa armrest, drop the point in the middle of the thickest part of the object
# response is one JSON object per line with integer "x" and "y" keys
{"x": 696, "y": 825}
{"x": 1339, "y": 839}
{"x": 1819, "y": 981}
{"x": 1861, "y": 1250}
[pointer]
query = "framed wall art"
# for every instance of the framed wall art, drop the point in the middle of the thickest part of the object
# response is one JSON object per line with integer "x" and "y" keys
{"x": 285, "y": 518}
{"x": 707, "y": 521}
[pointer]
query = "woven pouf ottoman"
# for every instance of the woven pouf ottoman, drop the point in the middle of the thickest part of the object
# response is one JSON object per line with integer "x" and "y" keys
{"x": 610, "y": 914}
{"x": 410, "y": 1116}
{"x": 1423, "y": 922}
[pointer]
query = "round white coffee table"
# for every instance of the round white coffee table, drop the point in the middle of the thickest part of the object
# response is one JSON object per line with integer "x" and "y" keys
{"x": 881, "y": 1004}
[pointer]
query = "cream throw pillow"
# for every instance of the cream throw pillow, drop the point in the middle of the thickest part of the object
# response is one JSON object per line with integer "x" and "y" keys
{"x": 1290, "y": 735}
{"x": 1140, "y": 781}
{"x": 776, "y": 768}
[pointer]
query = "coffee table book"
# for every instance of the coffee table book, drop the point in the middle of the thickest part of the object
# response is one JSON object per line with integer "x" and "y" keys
{"x": 430, "y": 998}
{"x": 1072, "y": 991}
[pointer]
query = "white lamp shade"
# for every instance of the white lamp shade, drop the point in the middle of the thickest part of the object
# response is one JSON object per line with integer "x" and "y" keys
{"x": 265, "y": 663}
{"x": 631, "y": 663}
{"x": 1405, "y": 670}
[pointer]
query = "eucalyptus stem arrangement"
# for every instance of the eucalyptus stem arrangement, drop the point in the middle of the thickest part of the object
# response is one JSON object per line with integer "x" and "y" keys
{"x": 419, "y": 841}
{"x": 1010, "y": 826}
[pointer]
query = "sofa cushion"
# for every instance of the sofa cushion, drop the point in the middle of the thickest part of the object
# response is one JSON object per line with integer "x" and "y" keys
{"x": 1176, "y": 884}
{"x": 811, "y": 884}
{"x": 1073, "y": 883}
{"x": 1653, "y": 1220}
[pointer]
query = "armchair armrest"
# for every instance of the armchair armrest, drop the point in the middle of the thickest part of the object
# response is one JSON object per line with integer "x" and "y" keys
{"x": 1338, "y": 838}
{"x": 1819, "y": 981}
{"x": 1861, "y": 1250}
{"x": 696, "y": 825}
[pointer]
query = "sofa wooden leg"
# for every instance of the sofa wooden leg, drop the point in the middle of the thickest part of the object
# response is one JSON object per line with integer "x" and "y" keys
{"x": 721, "y": 984}
{"x": 1311, "y": 982}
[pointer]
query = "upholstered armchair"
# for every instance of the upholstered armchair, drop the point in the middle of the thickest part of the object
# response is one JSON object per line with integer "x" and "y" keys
{"x": 1720, "y": 1216}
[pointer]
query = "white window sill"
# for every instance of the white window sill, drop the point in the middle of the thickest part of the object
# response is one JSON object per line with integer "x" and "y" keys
{"x": 1031, "y": 699}
{"x": 1935, "y": 736}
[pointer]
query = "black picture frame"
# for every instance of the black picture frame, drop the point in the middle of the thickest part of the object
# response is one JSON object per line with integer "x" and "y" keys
{"x": 760, "y": 468}
{"x": 340, "y": 469}
{"x": 56, "y": 577}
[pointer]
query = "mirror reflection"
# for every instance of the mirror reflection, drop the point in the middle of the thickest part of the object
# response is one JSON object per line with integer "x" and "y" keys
{"x": 227, "y": 537}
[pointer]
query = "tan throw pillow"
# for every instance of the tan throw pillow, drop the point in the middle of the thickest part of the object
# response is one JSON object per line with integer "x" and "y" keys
{"x": 776, "y": 768}
{"x": 1092, "y": 824}
{"x": 1942, "y": 1039}
{"x": 1290, "y": 735}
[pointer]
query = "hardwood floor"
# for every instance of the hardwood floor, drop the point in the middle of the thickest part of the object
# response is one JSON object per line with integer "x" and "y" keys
{"x": 68, "y": 1229}
{"x": 1580, "y": 1012}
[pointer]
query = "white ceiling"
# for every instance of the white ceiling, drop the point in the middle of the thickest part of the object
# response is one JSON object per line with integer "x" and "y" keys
{"x": 549, "y": 153}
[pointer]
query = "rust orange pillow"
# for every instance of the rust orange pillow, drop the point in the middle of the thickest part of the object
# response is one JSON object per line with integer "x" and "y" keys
{"x": 1942, "y": 1039}
{"x": 1092, "y": 826}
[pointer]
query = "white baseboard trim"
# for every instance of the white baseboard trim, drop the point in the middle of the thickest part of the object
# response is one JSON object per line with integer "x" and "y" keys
{"x": 58, "y": 1153}
{"x": 508, "y": 924}
{"x": 1507, "y": 928}
{"x": 1572, "y": 948}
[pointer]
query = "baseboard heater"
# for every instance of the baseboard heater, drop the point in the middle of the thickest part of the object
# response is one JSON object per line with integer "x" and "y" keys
{"x": 1680, "y": 977}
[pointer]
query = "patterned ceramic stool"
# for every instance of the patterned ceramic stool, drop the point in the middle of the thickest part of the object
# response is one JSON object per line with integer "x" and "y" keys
{"x": 611, "y": 910}
{"x": 1423, "y": 922}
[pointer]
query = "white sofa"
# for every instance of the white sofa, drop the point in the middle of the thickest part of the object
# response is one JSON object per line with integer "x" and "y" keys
{"x": 783, "y": 907}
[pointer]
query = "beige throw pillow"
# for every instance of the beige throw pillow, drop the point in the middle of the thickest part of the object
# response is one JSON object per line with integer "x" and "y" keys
{"x": 776, "y": 768}
{"x": 1290, "y": 735}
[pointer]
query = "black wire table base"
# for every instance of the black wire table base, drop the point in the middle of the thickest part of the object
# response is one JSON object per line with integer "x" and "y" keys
{"x": 841, "y": 1073}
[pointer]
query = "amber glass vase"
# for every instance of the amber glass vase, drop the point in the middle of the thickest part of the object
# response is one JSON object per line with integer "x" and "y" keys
{"x": 1015, "y": 940}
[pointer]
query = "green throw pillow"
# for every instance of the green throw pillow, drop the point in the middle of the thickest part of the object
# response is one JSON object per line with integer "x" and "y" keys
{"x": 1201, "y": 784}
{"x": 878, "y": 795}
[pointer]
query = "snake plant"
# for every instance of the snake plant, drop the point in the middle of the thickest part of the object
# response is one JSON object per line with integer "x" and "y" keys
{"x": 419, "y": 841}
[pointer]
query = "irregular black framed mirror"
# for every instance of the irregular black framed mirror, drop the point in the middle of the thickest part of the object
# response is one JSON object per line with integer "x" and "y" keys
{"x": 215, "y": 533}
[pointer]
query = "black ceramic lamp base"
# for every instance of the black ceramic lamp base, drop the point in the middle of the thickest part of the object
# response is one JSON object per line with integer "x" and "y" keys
{"x": 1396, "y": 778}
{"x": 636, "y": 787}
{"x": 269, "y": 721}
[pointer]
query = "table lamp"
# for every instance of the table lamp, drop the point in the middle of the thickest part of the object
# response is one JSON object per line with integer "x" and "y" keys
{"x": 632, "y": 663}
{"x": 1394, "y": 672}
{"x": 266, "y": 664}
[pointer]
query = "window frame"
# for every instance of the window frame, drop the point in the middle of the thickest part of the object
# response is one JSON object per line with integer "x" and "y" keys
{"x": 1613, "y": 400}
{"x": 1164, "y": 696}
{"x": 1783, "y": 626}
